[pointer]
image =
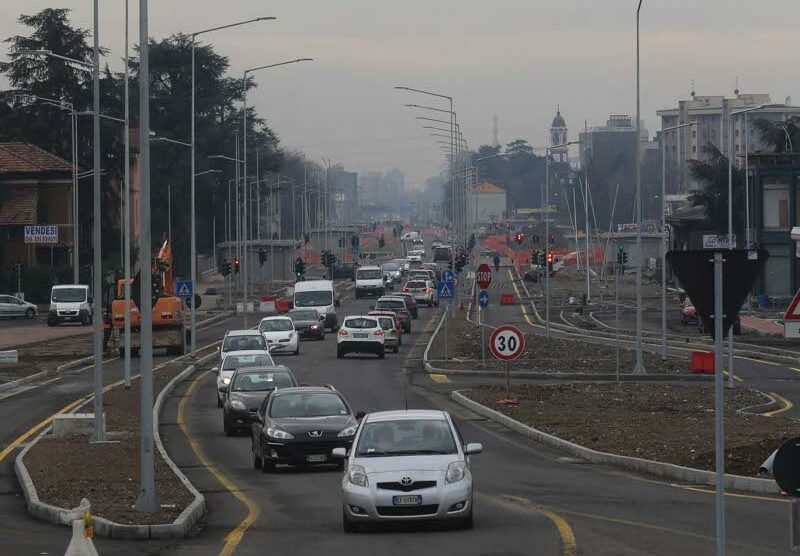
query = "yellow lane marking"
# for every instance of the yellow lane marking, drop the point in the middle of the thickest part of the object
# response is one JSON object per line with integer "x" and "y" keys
{"x": 569, "y": 547}
{"x": 236, "y": 535}
{"x": 439, "y": 378}
{"x": 795, "y": 369}
{"x": 36, "y": 428}
{"x": 787, "y": 405}
{"x": 732, "y": 494}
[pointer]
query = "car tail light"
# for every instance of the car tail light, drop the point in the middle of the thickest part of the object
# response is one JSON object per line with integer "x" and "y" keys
{"x": 405, "y": 290}
{"x": 379, "y": 332}
{"x": 393, "y": 332}
{"x": 342, "y": 332}
{"x": 426, "y": 290}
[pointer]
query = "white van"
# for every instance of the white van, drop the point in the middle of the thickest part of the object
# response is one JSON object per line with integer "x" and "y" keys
{"x": 319, "y": 295}
{"x": 70, "y": 303}
{"x": 370, "y": 281}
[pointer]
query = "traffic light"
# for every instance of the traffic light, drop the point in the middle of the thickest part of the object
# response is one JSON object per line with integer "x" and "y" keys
{"x": 307, "y": 238}
{"x": 299, "y": 268}
{"x": 323, "y": 258}
{"x": 262, "y": 256}
{"x": 341, "y": 242}
{"x": 236, "y": 265}
{"x": 550, "y": 261}
{"x": 226, "y": 267}
{"x": 519, "y": 237}
{"x": 624, "y": 258}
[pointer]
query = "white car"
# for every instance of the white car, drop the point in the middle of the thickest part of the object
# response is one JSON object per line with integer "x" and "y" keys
{"x": 404, "y": 264}
{"x": 242, "y": 340}
{"x": 280, "y": 334}
{"x": 233, "y": 360}
{"x": 370, "y": 281}
{"x": 360, "y": 334}
{"x": 414, "y": 257}
{"x": 406, "y": 466}
{"x": 11, "y": 306}
{"x": 424, "y": 291}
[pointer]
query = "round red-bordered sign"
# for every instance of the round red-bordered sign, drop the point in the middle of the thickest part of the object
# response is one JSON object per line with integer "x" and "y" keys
{"x": 483, "y": 276}
{"x": 507, "y": 342}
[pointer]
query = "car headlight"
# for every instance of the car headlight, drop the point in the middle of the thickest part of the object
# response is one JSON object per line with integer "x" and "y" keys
{"x": 226, "y": 381}
{"x": 456, "y": 471}
{"x": 313, "y": 327}
{"x": 349, "y": 431}
{"x": 274, "y": 432}
{"x": 357, "y": 475}
{"x": 238, "y": 404}
{"x": 291, "y": 335}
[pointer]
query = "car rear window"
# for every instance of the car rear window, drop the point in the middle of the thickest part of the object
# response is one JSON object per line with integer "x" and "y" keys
{"x": 360, "y": 323}
{"x": 416, "y": 284}
{"x": 233, "y": 362}
{"x": 391, "y": 305}
{"x": 276, "y": 325}
{"x": 259, "y": 381}
{"x": 244, "y": 343}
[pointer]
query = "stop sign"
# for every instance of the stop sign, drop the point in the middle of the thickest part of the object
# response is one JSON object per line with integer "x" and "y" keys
{"x": 484, "y": 276}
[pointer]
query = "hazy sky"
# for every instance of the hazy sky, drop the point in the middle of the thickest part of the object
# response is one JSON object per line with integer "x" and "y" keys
{"x": 513, "y": 58}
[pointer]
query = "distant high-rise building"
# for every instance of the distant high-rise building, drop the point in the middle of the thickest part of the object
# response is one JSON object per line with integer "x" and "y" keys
{"x": 711, "y": 116}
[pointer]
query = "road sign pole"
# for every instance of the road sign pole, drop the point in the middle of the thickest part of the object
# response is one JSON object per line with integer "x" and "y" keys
{"x": 447, "y": 306}
{"x": 616, "y": 314}
{"x": 483, "y": 337}
{"x": 719, "y": 402}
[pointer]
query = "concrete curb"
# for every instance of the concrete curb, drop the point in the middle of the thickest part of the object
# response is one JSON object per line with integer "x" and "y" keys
{"x": 627, "y": 377}
{"x": 178, "y": 529}
{"x": 677, "y": 473}
{"x": 33, "y": 378}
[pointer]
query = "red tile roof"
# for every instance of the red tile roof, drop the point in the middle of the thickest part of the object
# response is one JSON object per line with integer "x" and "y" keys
{"x": 18, "y": 206}
{"x": 25, "y": 157}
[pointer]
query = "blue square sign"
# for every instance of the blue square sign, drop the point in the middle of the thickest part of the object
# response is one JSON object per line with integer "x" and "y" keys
{"x": 447, "y": 290}
{"x": 183, "y": 289}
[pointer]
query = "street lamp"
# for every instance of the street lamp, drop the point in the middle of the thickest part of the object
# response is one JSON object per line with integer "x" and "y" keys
{"x": 193, "y": 238}
{"x": 547, "y": 153}
{"x": 664, "y": 236}
{"x": 638, "y": 368}
{"x": 746, "y": 173}
{"x": 244, "y": 148}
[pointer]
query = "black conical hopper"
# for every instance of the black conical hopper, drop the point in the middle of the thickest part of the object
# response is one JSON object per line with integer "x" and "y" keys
{"x": 695, "y": 271}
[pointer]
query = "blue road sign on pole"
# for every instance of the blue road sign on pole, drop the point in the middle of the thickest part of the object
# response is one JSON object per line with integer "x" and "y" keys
{"x": 448, "y": 276}
{"x": 354, "y": 249}
{"x": 183, "y": 289}
{"x": 483, "y": 299}
{"x": 446, "y": 289}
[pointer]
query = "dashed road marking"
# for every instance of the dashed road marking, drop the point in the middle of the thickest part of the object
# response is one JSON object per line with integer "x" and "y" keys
{"x": 441, "y": 379}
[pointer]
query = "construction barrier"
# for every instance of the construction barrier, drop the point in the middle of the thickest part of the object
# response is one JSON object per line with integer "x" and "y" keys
{"x": 282, "y": 305}
{"x": 508, "y": 299}
{"x": 702, "y": 362}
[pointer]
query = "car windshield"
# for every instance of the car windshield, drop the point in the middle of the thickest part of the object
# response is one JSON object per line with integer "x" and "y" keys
{"x": 69, "y": 295}
{"x": 276, "y": 325}
{"x": 360, "y": 323}
{"x": 371, "y": 274}
{"x": 390, "y": 305}
{"x": 406, "y": 437}
{"x": 387, "y": 323}
{"x": 244, "y": 343}
{"x": 307, "y": 405}
{"x": 303, "y": 315}
{"x": 259, "y": 381}
{"x": 390, "y": 267}
{"x": 233, "y": 362}
{"x": 320, "y": 298}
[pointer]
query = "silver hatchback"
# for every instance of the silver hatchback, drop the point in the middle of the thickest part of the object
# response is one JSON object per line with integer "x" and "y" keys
{"x": 405, "y": 466}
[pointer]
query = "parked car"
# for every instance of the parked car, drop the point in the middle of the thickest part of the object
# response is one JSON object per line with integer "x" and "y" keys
{"x": 360, "y": 334}
{"x": 11, "y": 306}
{"x": 280, "y": 334}
{"x": 246, "y": 391}
{"x": 407, "y": 465}
{"x": 308, "y": 323}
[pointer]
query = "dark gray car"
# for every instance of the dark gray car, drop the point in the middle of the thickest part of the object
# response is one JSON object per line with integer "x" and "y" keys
{"x": 247, "y": 389}
{"x": 308, "y": 323}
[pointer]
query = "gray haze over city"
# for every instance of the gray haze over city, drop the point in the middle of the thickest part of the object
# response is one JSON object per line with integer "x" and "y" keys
{"x": 517, "y": 59}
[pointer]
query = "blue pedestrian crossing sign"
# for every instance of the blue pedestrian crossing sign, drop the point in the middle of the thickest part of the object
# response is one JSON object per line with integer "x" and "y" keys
{"x": 183, "y": 289}
{"x": 446, "y": 289}
{"x": 483, "y": 299}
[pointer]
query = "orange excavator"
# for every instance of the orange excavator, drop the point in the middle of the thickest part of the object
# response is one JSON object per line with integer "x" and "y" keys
{"x": 169, "y": 330}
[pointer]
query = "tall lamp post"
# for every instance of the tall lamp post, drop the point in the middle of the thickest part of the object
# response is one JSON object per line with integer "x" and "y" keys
{"x": 244, "y": 156}
{"x": 547, "y": 154}
{"x": 664, "y": 235}
{"x": 638, "y": 368}
{"x": 193, "y": 141}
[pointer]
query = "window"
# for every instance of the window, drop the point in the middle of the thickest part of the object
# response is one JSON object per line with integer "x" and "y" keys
{"x": 694, "y": 134}
{"x": 737, "y": 133}
{"x": 406, "y": 438}
{"x": 776, "y": 204}
{"x": 307, "y": 405}
{"x": 694, "y": 148}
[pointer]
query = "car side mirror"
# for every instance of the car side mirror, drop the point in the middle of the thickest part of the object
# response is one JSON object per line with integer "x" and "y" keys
{"x": 337, "y": 303}
{"x": 360, "y": 415}
{"x": 339, "y": 453}
{"x": 473, "y": 448}
{"x": 223, "y": 388}
{"x": 215, "y": 370}
{"x": 321, "y": 318}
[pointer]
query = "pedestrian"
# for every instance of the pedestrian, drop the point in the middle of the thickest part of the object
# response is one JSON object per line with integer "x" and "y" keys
{"x": 496, "y": 262}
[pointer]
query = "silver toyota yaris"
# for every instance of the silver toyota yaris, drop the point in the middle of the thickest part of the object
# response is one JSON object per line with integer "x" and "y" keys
{"x": 407, "y": 465}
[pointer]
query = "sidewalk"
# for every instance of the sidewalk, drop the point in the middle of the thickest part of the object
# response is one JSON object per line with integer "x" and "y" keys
{"x": 761, "y": 326}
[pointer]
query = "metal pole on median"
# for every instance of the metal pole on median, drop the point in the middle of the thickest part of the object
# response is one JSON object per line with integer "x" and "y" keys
{"x": 127, "y": 216}
{"x": 547, "y": 243}
{"x": 97, "y": 271}
{"x": 638, "y": 368}
{"x": 146, "y": 501}
{"x": 446, "y": 307}
{"x": 616, "y": 314}
{"x": 483, "y": 338}
{"x": 719, "y": 403}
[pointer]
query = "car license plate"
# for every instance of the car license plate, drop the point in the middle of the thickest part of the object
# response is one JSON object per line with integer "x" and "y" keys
{"x": 360, "y": 335}
{"x": 407, "y": 500}
{"x": 316, "y": 458}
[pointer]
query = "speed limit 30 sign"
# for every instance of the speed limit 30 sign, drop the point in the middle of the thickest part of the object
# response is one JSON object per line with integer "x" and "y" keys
{"x": 507, "y": 343}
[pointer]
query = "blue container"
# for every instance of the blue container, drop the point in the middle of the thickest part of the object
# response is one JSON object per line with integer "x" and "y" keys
{"x": 763, "y": 301}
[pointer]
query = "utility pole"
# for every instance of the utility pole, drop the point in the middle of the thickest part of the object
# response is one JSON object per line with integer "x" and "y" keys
{"x": 127, "y": 216}
{"x": 146, "y": 502}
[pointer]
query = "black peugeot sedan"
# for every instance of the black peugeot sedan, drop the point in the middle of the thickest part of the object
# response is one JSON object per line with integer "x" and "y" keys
{"x": 300, "y": 426}
{"x": 246, "y": 391}
{"x": 308, "y": 323}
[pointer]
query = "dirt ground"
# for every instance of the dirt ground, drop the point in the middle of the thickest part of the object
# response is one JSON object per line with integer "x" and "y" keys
{"x": 671, "y": 423}
{"x": 44, "y": 356}
{"x": 108, "y": 473}
{"x": 545, "y": 355}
